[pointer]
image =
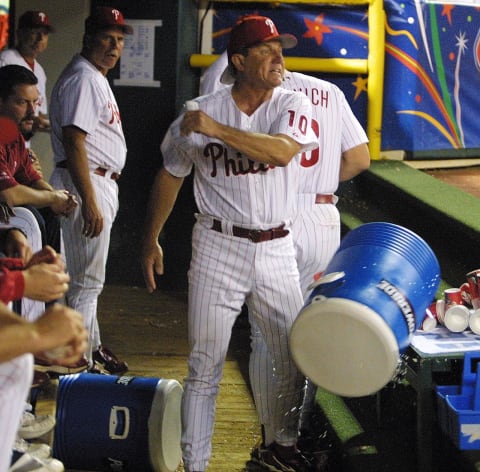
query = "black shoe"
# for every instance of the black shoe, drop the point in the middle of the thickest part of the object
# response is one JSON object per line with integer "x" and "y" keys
{"x": 97, "y": 369}
{"x": 318, "y": 448}
{"x": 107, "y": 360}
{"x": 289, "y": 460}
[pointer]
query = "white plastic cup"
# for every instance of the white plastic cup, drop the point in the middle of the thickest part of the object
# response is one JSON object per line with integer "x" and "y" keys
{"x": 474, "y": 321}
{"x": 457, "y": 318}
{"x": 191, "y": 105}
{"x": 440, "y": 309}
{"x": 429, "y": 323}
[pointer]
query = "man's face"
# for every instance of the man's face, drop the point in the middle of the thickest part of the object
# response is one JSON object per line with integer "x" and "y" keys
{"x": 105, "y": 48}
{"x": 21, "y": 105}
{"x": 264, "y": 64}
{"x": 33, "y": 41}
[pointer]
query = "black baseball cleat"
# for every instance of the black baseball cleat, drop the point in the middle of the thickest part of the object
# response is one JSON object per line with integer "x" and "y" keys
{"x": 107, "y": 360}
{"x": 288, "y": 460}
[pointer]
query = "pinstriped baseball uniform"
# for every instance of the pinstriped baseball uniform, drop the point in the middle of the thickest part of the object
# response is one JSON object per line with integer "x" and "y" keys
{"x": 82, "y": 97}
{"x": 226, "y": 271}
{"x": 15, "y": 382}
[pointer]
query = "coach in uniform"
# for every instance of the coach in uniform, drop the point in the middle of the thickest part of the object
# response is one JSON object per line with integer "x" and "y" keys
{"x": 241, "y": 142}
{"x": 90, "y": 152}
{"x": 342, "y": 154}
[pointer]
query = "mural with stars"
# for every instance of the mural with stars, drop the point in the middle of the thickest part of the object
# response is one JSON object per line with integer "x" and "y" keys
{"x": 432, "y": 66}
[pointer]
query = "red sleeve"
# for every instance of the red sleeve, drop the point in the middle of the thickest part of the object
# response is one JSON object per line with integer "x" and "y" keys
{"x": 16, "y": 166}
{"x": 12, "y": 285}
{"x": 12, "y": 263}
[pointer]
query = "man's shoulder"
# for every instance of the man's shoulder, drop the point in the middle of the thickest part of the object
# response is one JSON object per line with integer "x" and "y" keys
{"x": 78, "y": 71}
{"x": 213, "y": 101}
{"x": 285, "y": 94}
{"x": 11, "y": 56}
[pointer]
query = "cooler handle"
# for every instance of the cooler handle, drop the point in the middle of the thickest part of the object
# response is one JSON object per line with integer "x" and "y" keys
{"x": 114, "y": 413}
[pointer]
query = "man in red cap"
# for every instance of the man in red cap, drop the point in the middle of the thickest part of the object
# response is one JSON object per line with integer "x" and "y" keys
{"x": 90, "y": 152}
{"x": 32, "y": 40}
{"x": 241, "y": 141}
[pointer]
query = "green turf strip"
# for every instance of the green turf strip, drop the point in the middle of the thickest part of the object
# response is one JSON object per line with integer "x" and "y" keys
{"x": 444, "y": 198}
{"x": 341, "y": 419}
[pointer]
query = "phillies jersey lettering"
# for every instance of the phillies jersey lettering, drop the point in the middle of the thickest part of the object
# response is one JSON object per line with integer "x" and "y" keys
{"x": 115, "y": 113}
{"x": 238, "y": 165}
{"x": 318, "y": 97}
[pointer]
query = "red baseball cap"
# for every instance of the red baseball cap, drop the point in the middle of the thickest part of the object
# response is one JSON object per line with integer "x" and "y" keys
{"x": 104, "y": 18}
{"x": 35, "y": 19}
{"x": 250, "y": 30}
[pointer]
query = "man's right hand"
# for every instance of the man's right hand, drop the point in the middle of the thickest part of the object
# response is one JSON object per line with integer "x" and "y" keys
{"x": 45, "y": 282}
{"x": 62, "y": 327}
{"x": 92, "y": 219}
{"x": 152, "y": 263}
{"x": 64, "y": 202}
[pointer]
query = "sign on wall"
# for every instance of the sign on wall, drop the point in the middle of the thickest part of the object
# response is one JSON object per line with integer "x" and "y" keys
{"x": 137, "y": 61}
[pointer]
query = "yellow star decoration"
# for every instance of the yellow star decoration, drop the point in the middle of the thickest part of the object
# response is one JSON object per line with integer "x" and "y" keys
{"x": 360, "y": 85}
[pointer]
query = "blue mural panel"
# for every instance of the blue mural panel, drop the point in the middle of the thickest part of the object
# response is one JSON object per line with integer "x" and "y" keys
{"x": 432, "y": 66}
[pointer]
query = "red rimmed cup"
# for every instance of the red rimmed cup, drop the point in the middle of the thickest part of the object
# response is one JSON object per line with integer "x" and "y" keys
{"x": 473, "y": 279}
{"x": 452, "y": 296}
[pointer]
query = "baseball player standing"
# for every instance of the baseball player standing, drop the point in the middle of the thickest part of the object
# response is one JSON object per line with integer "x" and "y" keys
{"x": 342, "y": 154}
{"x": 241, "y": 142}
{"x": 90, "y": 151}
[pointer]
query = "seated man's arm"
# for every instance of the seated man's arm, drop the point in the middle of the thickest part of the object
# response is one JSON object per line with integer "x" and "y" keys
{"x": 59, "y": 201}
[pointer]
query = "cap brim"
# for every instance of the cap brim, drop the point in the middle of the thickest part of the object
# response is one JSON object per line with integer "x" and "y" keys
{"x": 49, "y": 28}
{"x": 227, "y": 78}
{"x": 93, "y": 28}
{"x": 287, "y": 41}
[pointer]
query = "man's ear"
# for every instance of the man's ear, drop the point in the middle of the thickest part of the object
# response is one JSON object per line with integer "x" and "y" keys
{"x": 238, "y": 61}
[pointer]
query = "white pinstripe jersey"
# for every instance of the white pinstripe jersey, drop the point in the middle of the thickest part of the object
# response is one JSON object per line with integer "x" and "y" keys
{"x": 336, "y": 127}
{"x": 82, "y": 97}
{"x": 12, "y": 56}
{"x": 230, "y": 186}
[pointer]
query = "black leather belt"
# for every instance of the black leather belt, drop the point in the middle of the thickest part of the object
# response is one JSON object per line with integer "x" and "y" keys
{"x": 324, "y": 198}
{"x": 254, "y": 235}
{"x": 98, "y": 171}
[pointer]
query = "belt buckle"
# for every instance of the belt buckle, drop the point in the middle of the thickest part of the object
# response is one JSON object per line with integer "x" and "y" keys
{"x": 255, "y": 235}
